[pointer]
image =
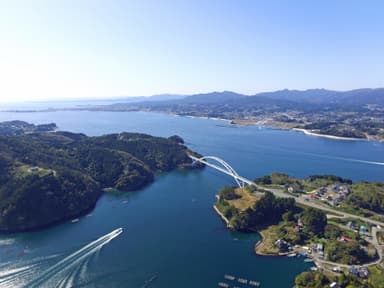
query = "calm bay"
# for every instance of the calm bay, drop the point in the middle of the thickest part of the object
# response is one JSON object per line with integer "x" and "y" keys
{"x": 172, "y": 236}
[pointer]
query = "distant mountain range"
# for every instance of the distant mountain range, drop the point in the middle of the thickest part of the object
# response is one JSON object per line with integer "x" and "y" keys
{"x": 357, "y": 97}
{"x": 285, "y": 97}
{"x": 353, "y": 114}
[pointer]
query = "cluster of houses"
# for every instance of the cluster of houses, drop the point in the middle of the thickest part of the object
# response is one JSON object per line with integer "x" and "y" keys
{"x": 361, "y": 272}
{"x": 332, "y": 194}
{"x": 285, "y": 246}
{"x": 34, "y": 169}
{"x": 362, "y": 229}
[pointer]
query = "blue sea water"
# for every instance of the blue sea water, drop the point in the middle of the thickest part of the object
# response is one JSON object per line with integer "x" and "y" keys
{"x": 172, "y": 237}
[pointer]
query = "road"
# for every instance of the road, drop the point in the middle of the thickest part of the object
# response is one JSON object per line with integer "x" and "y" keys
{"x": 241, "y": 181}
{"x": 278, "y": 192}
{"x": 375, "y": 243}
{"x": 304, "y": 201}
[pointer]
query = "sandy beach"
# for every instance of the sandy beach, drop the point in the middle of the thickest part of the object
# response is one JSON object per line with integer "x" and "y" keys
{"x": 307, "y": 132}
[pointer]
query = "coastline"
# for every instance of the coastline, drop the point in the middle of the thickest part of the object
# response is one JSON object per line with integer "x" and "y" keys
{"x": 240, "y": 122}
{"x": 260, "y": 244}
{"x": 308, "y": 132}
{"x": 225, "y": 219}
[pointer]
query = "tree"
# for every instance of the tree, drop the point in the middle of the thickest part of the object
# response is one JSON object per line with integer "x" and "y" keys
{"x": 288, "y": 216}
{"x": 311, "y": 279}
{"x": 314, "y": 221}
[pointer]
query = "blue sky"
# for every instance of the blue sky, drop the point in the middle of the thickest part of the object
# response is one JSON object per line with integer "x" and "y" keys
{"x": 70, "y": 49}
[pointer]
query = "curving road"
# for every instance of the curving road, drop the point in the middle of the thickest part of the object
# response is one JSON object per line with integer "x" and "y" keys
{"x": 241, "y": 181}
{"x": 227, "y": 169}
{"x": 304, "y": 201}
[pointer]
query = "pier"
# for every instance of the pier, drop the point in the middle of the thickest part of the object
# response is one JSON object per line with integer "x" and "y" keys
{"x": 237, "y": 282}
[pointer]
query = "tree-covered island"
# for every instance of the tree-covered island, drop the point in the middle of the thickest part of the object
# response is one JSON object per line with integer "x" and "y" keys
{"x": 46, "y": 178}
{"x": 346, "y": 251}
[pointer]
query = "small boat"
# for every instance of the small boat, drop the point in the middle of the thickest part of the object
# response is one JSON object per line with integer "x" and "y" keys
{"x": 229, "y": 277}
{"x": 308, "y": 260}
{"x": 242, "y": 281}
{"x": 254, "y": 283}
{"x": 292, "y": 255}
{"x": 75, "y": 220}
{"x": 150, "y": 280}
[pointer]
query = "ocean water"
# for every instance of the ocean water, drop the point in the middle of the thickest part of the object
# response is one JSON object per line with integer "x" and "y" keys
{"x": 171, "y": 235}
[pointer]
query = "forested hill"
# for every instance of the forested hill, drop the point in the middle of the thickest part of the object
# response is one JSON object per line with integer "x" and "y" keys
{"x": 353, "y": 114}
{"x": 49, "y": 177}
{"x": 18, "y": 127}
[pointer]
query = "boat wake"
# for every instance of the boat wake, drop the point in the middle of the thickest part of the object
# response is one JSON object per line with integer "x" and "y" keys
{"x": 344, "y": 159}
{"x": 64, "y": 273}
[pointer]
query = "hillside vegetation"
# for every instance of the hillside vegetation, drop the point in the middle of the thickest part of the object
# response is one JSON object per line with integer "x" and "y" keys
{"x": 50, "y": 177}
{"x": 351, "y": 114}
{"x": 363, "y": 198}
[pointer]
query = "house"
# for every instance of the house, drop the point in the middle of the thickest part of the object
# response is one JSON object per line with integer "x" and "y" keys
{"x": 344, "y": 190}
{"x": 352, "y": 225}
{"x": 334, "y": 285}
{"x": 291, "y": 189}
{"x": 364, "y": 231}
{"x": 319, "y": 247}
{"x": 33, "y": 169}
{"x": 282, "y": 245}
{"x": 353, "y": 271}
{"x": 300, "y": 223}
{"x": 345, "y": 239}
{"x": 335, "y": 188}
{"x": 322, "y": 189}
{"x": 336, "y": 269}
{"x": 363, "y": 272}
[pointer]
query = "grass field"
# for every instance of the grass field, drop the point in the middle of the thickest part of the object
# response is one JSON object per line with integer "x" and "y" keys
{"x": 24, "y": 170}
{"x": 267, "y": 246}
{"x": 376, "y": 278}
{"x": 245, "y": 201}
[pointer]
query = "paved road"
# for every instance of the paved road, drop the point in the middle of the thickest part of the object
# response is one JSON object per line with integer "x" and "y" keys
{"x": 306, "y": 202}
{"x": 375, "y": 243}
{"x": 281, "y": 193}
{"x": 301, "y": 200}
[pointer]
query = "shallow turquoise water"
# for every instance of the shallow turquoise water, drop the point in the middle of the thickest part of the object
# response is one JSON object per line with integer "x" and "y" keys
{"x": 170, "y": 228}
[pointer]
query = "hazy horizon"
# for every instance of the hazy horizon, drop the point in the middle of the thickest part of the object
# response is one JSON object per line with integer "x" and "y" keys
{"x": 55, "y": 50}
{"x": 120, "y": 98}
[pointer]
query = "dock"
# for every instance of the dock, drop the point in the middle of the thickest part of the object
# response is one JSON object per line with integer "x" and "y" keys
{"x": 242, "y": 282}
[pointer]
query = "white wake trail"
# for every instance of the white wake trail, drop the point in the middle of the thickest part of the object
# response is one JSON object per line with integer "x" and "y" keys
{"x": 67, "y": 266}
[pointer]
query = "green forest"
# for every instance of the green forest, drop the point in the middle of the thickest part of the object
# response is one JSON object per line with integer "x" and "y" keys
{"x": 49, "y": 177}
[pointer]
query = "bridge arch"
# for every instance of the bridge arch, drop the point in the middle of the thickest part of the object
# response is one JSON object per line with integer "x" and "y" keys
{"x": 228, "y": 168}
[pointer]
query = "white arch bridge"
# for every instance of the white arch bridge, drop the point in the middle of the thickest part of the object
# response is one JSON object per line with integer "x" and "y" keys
{"x": 225, "y": 168}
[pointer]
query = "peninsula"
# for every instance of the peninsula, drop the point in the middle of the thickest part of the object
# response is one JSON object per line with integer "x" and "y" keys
{"x": 345, "y": 249}
{"x": 341, "y": 115}
{"x": 354, "y": 114}
{"x": 46, "y": 178}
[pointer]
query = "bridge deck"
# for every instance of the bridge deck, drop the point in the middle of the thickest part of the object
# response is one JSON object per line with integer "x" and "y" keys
{"x": 281, "y": 193}
{"x": 236, "y": 176}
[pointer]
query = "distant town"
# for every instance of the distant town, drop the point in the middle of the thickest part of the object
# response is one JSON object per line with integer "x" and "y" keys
{"x": 356, "y": 114}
